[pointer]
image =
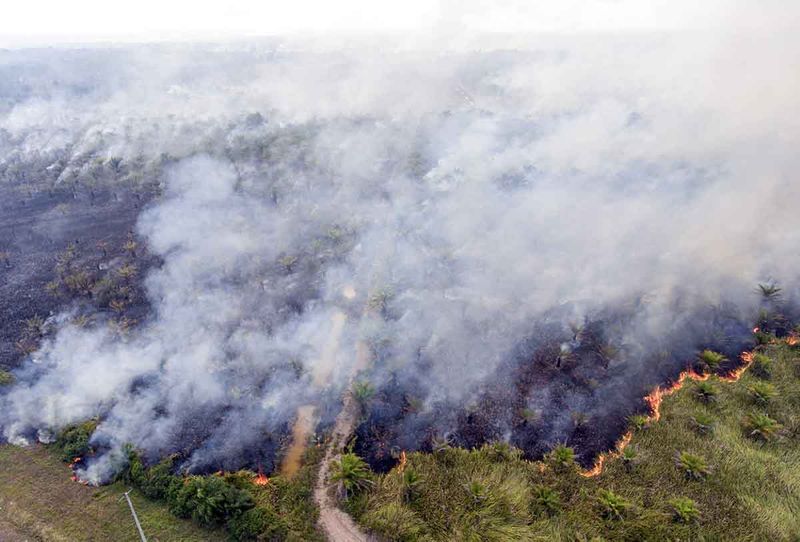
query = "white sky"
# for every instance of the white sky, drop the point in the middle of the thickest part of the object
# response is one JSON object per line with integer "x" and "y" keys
{"x": 51, "y": 21}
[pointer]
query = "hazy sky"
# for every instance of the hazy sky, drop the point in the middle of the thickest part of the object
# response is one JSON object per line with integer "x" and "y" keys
{"x": 51, "y": 21}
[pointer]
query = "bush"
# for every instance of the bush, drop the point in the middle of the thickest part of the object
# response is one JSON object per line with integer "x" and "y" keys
{"x": 6, "y": 378}
{"x": 561, "y": 457}
{"x": 612, "y": 506}
{"x": 411, "y": 483}
{"x": 208, "y": 500}
{"x": 684, "y": 510}
{"x": 396, "y": 522}
{"x": 761, "y": 392}
{"x": 705, "y": 391}
{"x": 546, "y": 500}
{"x": 710, "y": 360}
{"x": 257, "y": 524}
{"x": 73, "y": 440}
{"x": 761, "y": 427}
{"x": 501, "y": 451}
{"x": 630, "y": 457}
{"x": 761, "y": 367}
{"x": 694, "y": 466}
{"x": 638, "y": 421}
{"x": 352, "y": 473}
{"x": 703, "y": 423}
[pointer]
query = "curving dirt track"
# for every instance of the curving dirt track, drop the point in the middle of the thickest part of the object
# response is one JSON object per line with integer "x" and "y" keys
{"x": 337, "y": 525}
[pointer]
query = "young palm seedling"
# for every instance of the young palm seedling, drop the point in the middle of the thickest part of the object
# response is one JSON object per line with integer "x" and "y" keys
{"x": 547, "y": 500}
{"x": 411, "y": 484}
{"x": 561, "y": 457}
{"x": 761, "y": 427}
{"x": 630, "y": 457}
{"x": 352, "y": 473}
{"x": 761, "y": 392}
{"x": 684, "y": 510}
{"x": 705, "y": 391}
{"x": 703, "y": 423}
{"x": 612, "y": 506}
{"x": 710, "y": 361}
{"x": 693, "y": 466}
{"x": 638, "y": 421}
{"x": 761, "y": 367}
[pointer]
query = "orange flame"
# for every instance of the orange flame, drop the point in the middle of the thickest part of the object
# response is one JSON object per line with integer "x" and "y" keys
{"x": 654, "y": 400}
{"x": 403, "y": 460}
{"x": 792, "y": 340}
{"x": 747, "y": 358}
{"x": 260, "y": 479}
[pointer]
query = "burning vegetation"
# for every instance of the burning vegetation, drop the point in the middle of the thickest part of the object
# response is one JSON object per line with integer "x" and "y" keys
{"x": 454, "y": 267}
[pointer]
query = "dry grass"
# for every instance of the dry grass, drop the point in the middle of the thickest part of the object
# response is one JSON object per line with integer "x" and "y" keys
{"x": 38, "y": 500}
{"x": 752, "y": 492}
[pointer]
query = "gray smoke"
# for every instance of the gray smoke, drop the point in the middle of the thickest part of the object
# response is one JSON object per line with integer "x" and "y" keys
{"x": 462, "y": 195}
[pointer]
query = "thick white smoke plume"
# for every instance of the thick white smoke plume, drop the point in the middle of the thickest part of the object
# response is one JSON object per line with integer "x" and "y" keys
{"x": 464, "y": 194}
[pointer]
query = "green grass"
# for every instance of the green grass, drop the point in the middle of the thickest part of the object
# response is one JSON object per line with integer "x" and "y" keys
{"x": 751, "y": 491}
{"x": 40, "y": 502}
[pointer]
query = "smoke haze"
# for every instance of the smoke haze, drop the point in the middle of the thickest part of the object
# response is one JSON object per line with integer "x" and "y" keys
{"x": 468, "y": 195}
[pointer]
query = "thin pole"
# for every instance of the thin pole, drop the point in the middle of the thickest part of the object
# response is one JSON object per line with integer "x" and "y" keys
{"x": 135, "y": 517}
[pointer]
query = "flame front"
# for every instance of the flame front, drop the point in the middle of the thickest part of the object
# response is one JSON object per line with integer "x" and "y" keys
{"x": 654, "y": 400}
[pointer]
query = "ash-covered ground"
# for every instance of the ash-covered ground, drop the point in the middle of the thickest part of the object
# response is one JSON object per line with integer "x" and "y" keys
{"x": 523, "y": 245}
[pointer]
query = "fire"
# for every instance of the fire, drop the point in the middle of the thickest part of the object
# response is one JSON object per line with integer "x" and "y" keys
{"x": 792, "y": 340}
{"x": 403, "y": 460}
{"x": 260, "y": 479}
{"x": 654, "y": 400}
{"x": 747, "y": 358}
{"x": 601, "y": 459}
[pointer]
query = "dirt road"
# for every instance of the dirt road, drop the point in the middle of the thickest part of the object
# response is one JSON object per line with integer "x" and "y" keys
{"x": 336, "y": 524}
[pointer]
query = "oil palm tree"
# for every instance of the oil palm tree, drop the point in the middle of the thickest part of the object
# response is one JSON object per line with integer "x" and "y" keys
{"x": 352, "y": 474}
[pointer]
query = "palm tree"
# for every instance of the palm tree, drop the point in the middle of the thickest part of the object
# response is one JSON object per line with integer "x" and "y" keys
{"x": 352, "y": 473}
{"x": 770, "y": 292}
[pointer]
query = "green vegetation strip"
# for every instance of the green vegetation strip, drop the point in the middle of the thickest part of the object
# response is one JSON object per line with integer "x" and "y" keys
{"x": 722, "y": 463}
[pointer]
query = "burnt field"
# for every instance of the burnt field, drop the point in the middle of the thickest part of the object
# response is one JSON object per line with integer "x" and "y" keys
{"x": 575, "y": 387}
{"x": 63, "y": 249}
{"x": 214, "y": 240}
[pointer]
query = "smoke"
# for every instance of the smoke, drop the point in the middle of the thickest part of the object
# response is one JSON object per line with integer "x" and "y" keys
{"x": 471, "y": 199}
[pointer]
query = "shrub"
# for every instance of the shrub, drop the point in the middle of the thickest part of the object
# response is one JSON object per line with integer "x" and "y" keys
{"x": 612, "y": 506}
{"x": 561, "y": 457}
{"x": 703, "y": 423}
{"x": 693, "y": 466}
{"x": 630, "y": 457}
{"x": 208, "y": 500}
{"x": 501, "y": 451}
{"x": 761, "y": 392}
{"x": 546, "y": 500}
{"x": 710, "y": 360}
{"x": 411, "y": 483}
{"x": 684, "y": 510}
{"x": 395, "y": 522}
{"x": 73, "y": 440}
{"x": 351, "y": 472}
{"x": 363, "y": 392}
{"x": 761, "y": 427}
{"x": 477, "y": 492}
{"x": 6, "y": 378}
{"x": 257, "y": 524}
{"x": 638, "y": 421}
{"x": 761, "y": 367}
{"x": 705, "y": 391}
